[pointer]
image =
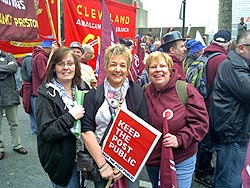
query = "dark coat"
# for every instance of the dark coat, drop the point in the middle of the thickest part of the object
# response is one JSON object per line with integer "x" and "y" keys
{"x": 56, "y": 144}
{"x": 27, "y": 68}
{"x": 8, "y": 93}
{"x": 230, "y": 106}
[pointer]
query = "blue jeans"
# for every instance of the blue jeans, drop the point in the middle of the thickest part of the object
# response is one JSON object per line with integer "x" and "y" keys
{"x": 229, "y": 164}
{"x": 184, "y": 173}
{"x": 205, "y": 155}
{"x": 32, "y": 116}
{"x": 74, "y": 181}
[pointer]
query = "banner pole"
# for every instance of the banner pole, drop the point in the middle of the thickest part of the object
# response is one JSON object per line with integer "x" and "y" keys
{"x": 131, "y": 76}
{"x": 59, "y": 37}
{"x": 50, "y": 19}
{"x": 109, "y": 183}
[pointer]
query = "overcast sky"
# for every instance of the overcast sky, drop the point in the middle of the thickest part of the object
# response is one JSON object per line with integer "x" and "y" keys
{"x": 165, "y": 13}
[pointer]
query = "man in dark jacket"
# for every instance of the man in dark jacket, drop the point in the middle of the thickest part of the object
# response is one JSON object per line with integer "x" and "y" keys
{"x": 9, "y": 101}
{"x": 230, "y": 114}
{"x": 221, "y": 42}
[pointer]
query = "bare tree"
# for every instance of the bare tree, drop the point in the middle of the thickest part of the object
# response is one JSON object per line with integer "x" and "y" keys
{"x": 225, "y": 15}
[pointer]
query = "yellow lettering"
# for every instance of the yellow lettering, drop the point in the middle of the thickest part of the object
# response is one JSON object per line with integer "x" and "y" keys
{"x": 5, "y": 19}
{"x": 122, "y": 18}
{"x": 86, "y": 12}
{"x": 26, "y": 22}
{"x": 127, "y": 20}
{"x": 20, "y": 20}
{"x": 93, "y": 13}
{"x": 78, "y": 9}
{"x": 116, "y": 19}
{"x": 99, "y": 15}
{"x": 16, "y": 21}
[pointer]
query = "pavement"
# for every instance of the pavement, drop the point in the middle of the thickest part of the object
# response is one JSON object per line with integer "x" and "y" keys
{"x": 25, "y": 171}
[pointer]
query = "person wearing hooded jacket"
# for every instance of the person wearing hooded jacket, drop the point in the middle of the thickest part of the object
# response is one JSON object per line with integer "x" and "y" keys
{"x": 204, "y": 169}
{"x": 187, "y": 124}
{"x": 40, "y": 57}
{"x": 56, "y": 113}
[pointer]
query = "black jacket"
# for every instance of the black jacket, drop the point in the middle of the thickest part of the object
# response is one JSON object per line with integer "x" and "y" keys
{"x": 56, "y": 143}
{"x": 8, "y": 93}
{"x": 230, "y": 105}
{"x": 135, "y": 100}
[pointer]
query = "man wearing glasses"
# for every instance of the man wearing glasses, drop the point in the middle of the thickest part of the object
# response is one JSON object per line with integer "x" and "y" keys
{"x": 230, "y": 114}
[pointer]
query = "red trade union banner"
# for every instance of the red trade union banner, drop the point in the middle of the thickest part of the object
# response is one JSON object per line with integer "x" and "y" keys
{"x": 18, "y": 20}
{"x": 129, "y": 143}
{"x": 20, "y": 48}
{"x": 83, "y": 18}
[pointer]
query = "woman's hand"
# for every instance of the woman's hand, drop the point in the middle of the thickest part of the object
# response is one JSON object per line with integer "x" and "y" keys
{"x": 106, "y": 171}
{"x": 117, "y": 174}
{"x": 170, "y": 140}
{"x": 77, "y": 112}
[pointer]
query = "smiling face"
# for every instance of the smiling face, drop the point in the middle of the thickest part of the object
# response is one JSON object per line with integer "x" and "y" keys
{"x": 65, "y": 69}
{"x": 159, "y": 66}
{"x": 117, "y": 70}
{"x": 77, "y": 52}
{"x": 117, "y": 62}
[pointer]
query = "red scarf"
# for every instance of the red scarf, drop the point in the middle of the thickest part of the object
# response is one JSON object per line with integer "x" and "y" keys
{"x": 167, "y": 168}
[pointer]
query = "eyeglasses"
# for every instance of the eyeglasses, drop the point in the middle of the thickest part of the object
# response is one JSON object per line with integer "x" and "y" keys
{"x": 69, "y": 64}
{"x": 246, "y": 44}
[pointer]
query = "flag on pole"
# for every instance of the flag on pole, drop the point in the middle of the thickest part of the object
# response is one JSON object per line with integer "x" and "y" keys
{"x": 198, "y": 37}
{"x": 137, "y": 63}
{"x": 167, "y": 166}
{"x": 108, "y": 37}
{"x": 181, "y": 14}
{"x": 18, "y": 21}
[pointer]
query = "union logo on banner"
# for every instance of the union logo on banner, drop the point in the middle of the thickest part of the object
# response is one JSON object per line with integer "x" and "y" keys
{"x": 129, "y": 143}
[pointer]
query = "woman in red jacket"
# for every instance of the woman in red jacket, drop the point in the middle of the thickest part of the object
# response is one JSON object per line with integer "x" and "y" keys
{"x": 188, "y": 124}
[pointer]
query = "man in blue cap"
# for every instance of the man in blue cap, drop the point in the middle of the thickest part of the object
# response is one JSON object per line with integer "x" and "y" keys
{"x": 196, "y": 49}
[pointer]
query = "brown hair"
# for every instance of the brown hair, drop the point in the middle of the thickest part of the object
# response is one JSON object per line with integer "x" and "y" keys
{"x": 57, "y": 56}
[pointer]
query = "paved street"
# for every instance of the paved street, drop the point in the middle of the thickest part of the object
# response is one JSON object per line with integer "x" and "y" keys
{"x": 25, "y": 171}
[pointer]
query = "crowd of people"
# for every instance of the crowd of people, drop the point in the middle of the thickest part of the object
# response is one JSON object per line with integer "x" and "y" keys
{"x": 198, "y": 126}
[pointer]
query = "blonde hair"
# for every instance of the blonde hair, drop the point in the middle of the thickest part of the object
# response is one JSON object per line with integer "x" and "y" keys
{"x": 157, "y": 57}
{"x": 115, "y": 50}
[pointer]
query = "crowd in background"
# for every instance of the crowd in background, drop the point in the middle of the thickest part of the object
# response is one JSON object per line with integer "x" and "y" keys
{"x": 198, "y": 126}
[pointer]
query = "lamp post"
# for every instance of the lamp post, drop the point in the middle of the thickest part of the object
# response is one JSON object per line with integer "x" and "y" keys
{"x": 183, "y": 17}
